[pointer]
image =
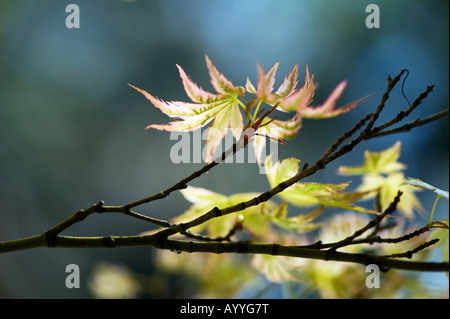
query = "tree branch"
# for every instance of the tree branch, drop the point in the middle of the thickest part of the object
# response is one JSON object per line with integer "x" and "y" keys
{"x": 330, "y": 155}
{"x": 409, "y": 126}
{"x": 371, "y": 224}
{"x": 160, "y": 239}
{"x": 179, "y": 246}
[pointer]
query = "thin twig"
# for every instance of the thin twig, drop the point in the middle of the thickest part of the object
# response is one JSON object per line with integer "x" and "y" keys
{"x": 409, "y": 126}
{"x": 377, "y": 220}
{"x": 390, "y": 87}
{"x": 408, "y": 254}
{"x": 402, "y": 114}
{"x": 372, "y": 239}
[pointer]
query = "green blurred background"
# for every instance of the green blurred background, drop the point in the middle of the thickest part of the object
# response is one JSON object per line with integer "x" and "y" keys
{"x": 72, "y": 131}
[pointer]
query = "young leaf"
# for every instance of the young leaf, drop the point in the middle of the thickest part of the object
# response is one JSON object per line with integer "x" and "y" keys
{"x": 287, "y": 97}
{"x": 383, "y": 162}
{"x": 204, "y": 200}
{"x": 326, "y": 110}
{"x": 442, "y": 234}
{"x": 300, "y": 223}
{"x": 223, "y": 108}
{"x": 308, "y": 194}
{"x": 408, "y": 202}
{"x": 278, "y": 269}
{"x": 275, "y": 129}
{"x": 291, "y": 99}
{"x": 290, "y": 82}
{"x": 220, "y": 83}
{"x": 387, "y": 188}
{"x": 421, "y": 184}
{"x": 373, "y": 183}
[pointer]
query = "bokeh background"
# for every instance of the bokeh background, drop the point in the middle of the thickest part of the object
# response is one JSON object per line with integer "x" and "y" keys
{"x": 72, "y": 131}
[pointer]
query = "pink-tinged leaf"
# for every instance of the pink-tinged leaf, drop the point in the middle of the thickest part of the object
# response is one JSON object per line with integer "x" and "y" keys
{"x": 298, "y": 100}
{"x": 288, "y": 98}
{"x": 174, "y": 109}
{"x": 347, "y": 107}
{"x": 196, "y": 93}
{"x": 289, "y": 83}
{"x": 321, "y": 111}
{"x": 275, "y": 129}
{"x": 229, "y": 116}
{"x": 263, "y": 118}
{"x": 189, "y": 123}
{"x": 265, "y": 84}
{"x": 285, "y": 129}
{"x": 249, "y": 86}
{"x": 309, "y": 83}
{"x": 220, "y": 83}
{"x": 222, "y": 109}
{"x": 263, "y": 91}
{"x": 270, "y": 77}
{"x": 327, "y": 110}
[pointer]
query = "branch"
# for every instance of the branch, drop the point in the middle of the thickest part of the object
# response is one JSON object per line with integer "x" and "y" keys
{"x": 371, "y": 224}
{"x": 330, "y": 155}
{"x": 400, "y": 116}
{"x": 182, "y": 184}
{"x": 126, "y": 209}
{"x": 409, "y": 126}
{"x": 79, "y": 216}
{"x": 410, "y": 253}
{"x": 179, "y": 246}
{"x": 160, "y": 239}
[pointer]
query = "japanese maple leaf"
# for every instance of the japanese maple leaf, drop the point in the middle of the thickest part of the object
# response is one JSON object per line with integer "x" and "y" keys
{"x": 276, "y": 130}
{"x": 288, "y": 98}
{"x": 291, "y": 99}
{"x": 221, "y": 108}
{"x": 309, "y": 194}
{"x": 383, "y": 177}
{"x": 272, "y": 128}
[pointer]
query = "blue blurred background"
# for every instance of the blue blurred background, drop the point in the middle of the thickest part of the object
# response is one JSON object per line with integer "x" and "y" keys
{"x": 72, "y": 131}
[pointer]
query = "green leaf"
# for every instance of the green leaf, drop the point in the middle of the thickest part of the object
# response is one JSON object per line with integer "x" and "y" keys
{"x": 278, "y": 268}
{"x": 442, "y": 234}
{"x": 308, "y": 194}
{"x": 220, "y": 83}
{"x": 110, "y": 281}
{"x": 384, "y": 162}
{"x": 257, "y": 219}
{"x": 300, "y": 223}
{"x": 417, "y": 182}
{"x": 275, "y": 129}
{"x": 408, "y": 202}
{"x": 204, "y": 200}
{"x": 387, "y": 188}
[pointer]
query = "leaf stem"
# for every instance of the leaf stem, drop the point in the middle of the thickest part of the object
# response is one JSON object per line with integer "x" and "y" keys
{"x": 257, "y": 109}
{"x": 432, "y": 210}
{"x": 245, "y": 109}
